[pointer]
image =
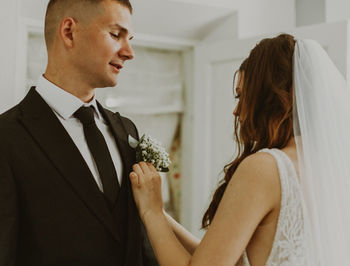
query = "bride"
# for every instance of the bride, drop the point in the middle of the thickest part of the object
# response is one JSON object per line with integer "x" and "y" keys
{"x": 285, "y": 199}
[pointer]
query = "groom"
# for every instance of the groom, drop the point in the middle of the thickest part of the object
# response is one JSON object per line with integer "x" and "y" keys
{"x": 65, "y": 195}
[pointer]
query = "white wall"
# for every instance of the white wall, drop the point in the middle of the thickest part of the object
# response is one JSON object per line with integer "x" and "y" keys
{"x": 224, "y": 29}
{"x": 320, "y": 11}
{"x": 263, "y": 17}
{"x": 310, "y": 12}
{"x": 217, "y": 3}
{"x": 34, "y": 9}
{"x": 8, "y": 27}
{"x": 337, "y": 10}
{"x": 11, "y": 58}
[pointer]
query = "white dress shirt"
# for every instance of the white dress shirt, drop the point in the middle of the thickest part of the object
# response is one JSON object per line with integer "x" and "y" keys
{"x": 64, "y": 105}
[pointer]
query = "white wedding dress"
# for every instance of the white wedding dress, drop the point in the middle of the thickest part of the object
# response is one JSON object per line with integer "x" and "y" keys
{"x": 290, "y": 238}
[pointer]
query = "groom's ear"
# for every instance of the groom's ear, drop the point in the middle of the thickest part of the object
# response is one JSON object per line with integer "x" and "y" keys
{"x": 67, "y": 31}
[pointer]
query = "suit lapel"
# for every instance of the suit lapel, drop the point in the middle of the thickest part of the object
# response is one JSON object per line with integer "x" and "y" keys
{"x": 120, "y": 134}
{"x": 51, "y": 136}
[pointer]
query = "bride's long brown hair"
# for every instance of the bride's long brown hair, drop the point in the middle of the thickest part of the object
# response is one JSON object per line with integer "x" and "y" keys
{"x": 264, "y": 114}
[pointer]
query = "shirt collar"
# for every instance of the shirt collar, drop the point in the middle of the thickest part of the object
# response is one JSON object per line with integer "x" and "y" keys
{"x": 62, "y": 102}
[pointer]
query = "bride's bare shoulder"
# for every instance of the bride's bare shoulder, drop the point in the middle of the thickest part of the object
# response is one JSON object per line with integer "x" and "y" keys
{"x": 259, "y": 171}
{"x": 260, "y": 163}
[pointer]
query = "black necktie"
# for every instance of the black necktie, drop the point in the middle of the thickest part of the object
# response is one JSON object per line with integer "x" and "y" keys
{"x": 99, "y": 150}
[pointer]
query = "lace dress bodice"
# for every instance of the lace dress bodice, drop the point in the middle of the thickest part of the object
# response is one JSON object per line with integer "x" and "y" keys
{"x": 289, "y": 242}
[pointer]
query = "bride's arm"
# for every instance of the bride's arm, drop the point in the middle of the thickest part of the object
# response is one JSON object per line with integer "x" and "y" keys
{"x": 252, "y": 193}
{"x": 189, "y": 241}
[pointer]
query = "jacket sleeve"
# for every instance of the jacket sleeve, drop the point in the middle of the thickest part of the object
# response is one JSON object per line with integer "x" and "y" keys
{"x": 8, "y": 214}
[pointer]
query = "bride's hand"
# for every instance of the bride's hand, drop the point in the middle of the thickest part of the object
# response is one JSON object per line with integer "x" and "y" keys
{"x": 146, "y": 186}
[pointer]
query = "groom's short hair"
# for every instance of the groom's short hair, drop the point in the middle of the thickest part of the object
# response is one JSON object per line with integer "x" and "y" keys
{"x": 57, "y": 9}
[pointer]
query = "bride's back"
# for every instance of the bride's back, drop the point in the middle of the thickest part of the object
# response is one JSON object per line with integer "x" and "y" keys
{"x": 277, "y": 238}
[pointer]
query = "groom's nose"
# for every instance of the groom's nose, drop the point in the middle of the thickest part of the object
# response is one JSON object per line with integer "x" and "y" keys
{"x": 126, "y": 52}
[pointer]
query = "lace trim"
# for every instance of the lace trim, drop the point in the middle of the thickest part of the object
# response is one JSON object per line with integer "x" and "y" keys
{"x": 288, "y": 247}
{"x": 289, "y": 241}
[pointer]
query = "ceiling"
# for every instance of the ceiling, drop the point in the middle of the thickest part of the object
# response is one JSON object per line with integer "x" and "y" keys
{"x": 177, "y": 19}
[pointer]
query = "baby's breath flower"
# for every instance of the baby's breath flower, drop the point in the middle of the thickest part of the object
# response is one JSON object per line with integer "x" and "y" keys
{"x": 151, "y": 151}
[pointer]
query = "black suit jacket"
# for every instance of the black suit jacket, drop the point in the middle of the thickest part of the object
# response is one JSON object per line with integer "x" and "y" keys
{"x": 51, "y": 210}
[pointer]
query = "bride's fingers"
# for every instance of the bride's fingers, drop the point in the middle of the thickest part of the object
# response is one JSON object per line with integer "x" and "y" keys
{"x": 134, "y": 179}
{"x": 152, "y": 168}
{"x": 145, "y": 167}
{"x": 137, "y": 169}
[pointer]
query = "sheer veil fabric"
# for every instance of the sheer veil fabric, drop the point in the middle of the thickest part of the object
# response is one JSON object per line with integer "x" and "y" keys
{"x": 322, "y": 132}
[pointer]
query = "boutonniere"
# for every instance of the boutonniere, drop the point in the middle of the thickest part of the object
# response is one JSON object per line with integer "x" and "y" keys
{"x": 151, "y": 151}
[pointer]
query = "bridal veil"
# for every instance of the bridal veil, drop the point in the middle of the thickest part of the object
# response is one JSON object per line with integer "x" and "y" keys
{"x": 322, "y": 133}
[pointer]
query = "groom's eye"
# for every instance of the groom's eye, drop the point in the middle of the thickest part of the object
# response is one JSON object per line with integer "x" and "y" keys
{"x": 116, "y": 36}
